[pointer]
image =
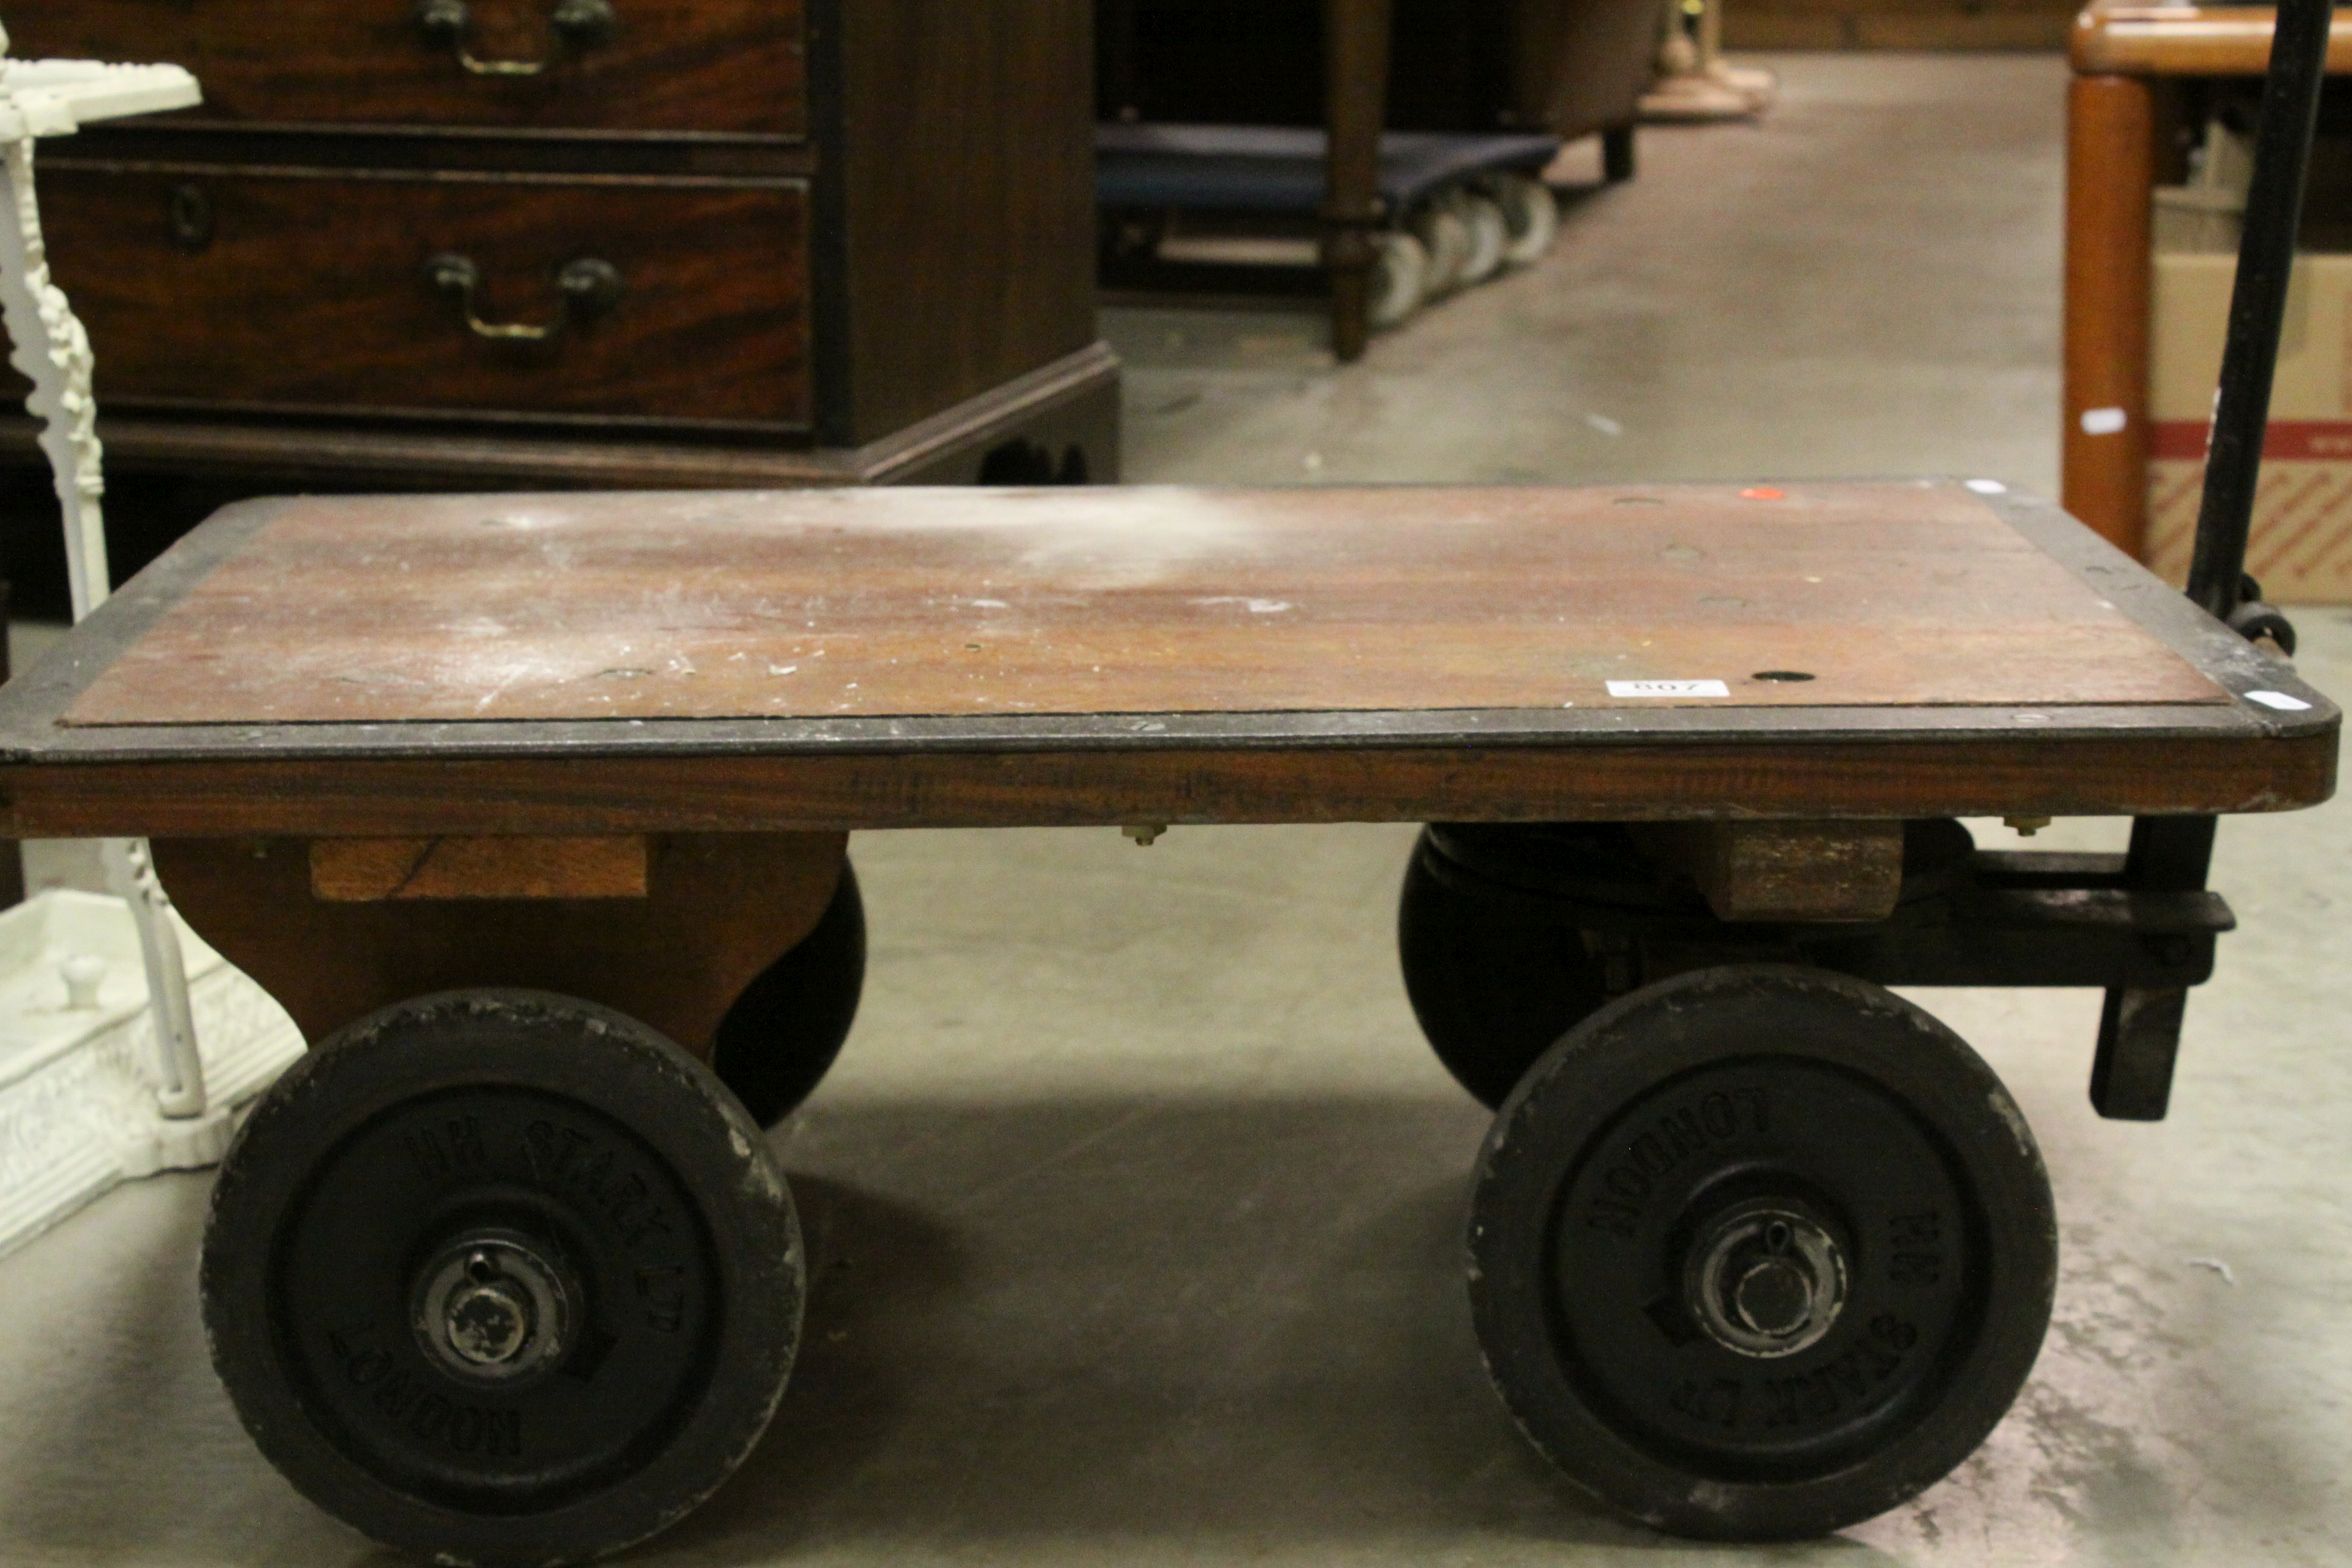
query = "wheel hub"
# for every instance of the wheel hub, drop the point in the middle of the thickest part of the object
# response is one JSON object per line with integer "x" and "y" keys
{"x": 1766, "y": 1281}
{"x": 489, "y": 1324}
{"x": 492, "y": 1307}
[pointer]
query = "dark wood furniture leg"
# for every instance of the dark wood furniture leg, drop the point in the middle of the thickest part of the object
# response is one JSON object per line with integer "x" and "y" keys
{"x": 1617, "y": 164}
{"x": 1356, "y": 54}
{"x": 2110, "y": 169}
{"x": 1119, "y": 90}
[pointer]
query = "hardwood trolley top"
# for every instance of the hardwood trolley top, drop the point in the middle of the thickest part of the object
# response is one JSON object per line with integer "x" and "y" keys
{"x": 2177, "y": 38}
{"x": 852, "y": 659}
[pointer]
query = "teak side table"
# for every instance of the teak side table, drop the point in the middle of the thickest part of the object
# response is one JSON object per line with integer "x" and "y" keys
{"x": 2127, "y": 59}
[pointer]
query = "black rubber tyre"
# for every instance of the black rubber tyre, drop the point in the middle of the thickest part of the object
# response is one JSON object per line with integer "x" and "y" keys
{"x": 1493, "y": 981}
{"x": 498, "y": 1277}
{"x": 782, "y": 1035}
{"x": 1760, "y": 1252}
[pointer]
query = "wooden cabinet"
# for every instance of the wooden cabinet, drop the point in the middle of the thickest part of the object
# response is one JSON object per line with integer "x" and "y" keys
{"x": 663, "y": 67}
{"x": 308, "y": 291}
{"x": 1571, "y": 67}
{"x": 464, "y": 242}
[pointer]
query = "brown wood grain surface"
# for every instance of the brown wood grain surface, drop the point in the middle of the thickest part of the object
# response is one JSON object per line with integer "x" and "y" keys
{"x": 725, "y": 66}
{"x": 1067, "y": 410}
{"x": 214, "y": 286}
{"x": 381, "y": 870}
{"x": 1640, "y": 779}
{"x": 1788, "y": 870}
{"x": 2111, "y": 145}
{"x": 2188, "y": 40}
{"x": 717, "y": 911}
{"x": 962, "y": 173}
{"x": 1897, "y": 24}
{"x": 1359, "y": 39}
{"x": 1145, "y": 601}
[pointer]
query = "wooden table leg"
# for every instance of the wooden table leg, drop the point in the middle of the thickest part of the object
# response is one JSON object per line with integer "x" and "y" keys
{"x": 2110, "y": 170}
{"x": 1356, "y": 37}
{"x": 1116, "y": 62}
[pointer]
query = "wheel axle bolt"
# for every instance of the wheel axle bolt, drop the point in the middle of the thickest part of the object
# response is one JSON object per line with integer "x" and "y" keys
{"x": 1774, "y": 1297}
{"x": 1765, "y": 1281}
{"x": 493, "y": 1308}
{"x": 489, "y": 1322}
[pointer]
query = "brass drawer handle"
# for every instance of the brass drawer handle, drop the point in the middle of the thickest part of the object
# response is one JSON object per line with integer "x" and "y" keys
{"x": 586, "y": 287}
{"x": 576, "y": 26}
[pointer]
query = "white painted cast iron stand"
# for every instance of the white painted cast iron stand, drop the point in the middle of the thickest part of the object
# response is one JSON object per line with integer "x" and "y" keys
{"x": 41, "y": 98}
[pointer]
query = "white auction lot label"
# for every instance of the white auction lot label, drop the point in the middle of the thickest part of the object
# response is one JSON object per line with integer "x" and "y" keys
{"x": 1668, "y": 689}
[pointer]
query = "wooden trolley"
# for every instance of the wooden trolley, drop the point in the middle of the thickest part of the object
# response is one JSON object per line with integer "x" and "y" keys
{"x": 527, "y": 807}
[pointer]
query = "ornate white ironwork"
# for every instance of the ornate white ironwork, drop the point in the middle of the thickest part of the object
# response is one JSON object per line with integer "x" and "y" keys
{"x": 41, "y": 98}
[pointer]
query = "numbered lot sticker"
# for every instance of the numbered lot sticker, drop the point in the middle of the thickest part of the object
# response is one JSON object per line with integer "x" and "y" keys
{"x": 1668, "y": 689}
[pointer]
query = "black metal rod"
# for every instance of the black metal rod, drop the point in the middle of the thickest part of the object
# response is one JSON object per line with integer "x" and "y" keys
{"x": 2258, "y": 303}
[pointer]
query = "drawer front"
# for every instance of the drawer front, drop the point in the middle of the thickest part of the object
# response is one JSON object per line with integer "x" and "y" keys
{"x": 666, "y": 300}
{"x": 582, "y": 66}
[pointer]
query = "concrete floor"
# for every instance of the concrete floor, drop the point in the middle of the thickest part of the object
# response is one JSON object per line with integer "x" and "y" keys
{"x": 1145, "y": 1198}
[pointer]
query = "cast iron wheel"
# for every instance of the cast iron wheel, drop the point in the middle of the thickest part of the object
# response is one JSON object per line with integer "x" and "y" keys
{"x": 1493, "y": 982}
{"x": 781, "y": 1037}
{"x": 498, "y": 1277}
{"x": 1760, "y": 1252}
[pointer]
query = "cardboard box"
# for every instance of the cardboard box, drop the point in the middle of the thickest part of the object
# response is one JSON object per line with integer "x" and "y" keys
{"x": 2301, "y": 547}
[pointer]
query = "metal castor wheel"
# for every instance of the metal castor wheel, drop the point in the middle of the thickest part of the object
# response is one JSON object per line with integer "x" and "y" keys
{"x": 1400, "y": 279}
{"x": 1493, "y": 979}
{"x": 499, "y": 1277}
{"x": 1445, "y": 234}
{"x": 1531, "y": 218}
{"x": 782, "y": 1035}
{"x": 1760, "y": 1252}
{"x": 1490, "y": 235}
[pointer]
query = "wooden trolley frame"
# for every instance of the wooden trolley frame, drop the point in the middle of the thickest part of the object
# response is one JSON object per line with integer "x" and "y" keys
{"x": 276, "y": 702}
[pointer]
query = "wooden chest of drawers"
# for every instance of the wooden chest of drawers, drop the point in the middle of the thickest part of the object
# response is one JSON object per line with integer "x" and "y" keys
{"x": 645, "y": 67}
{"x": 515, "y": 242}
